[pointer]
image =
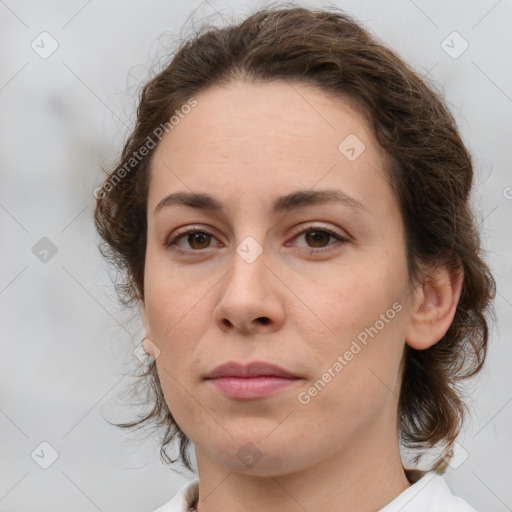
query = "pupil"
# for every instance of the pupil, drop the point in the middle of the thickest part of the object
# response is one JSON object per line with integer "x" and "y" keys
{"x": 197, "y": 237}
{"x": 318, "y": 237}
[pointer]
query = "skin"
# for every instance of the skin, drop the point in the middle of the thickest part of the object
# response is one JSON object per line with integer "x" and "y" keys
{"x": 245, "y": 144}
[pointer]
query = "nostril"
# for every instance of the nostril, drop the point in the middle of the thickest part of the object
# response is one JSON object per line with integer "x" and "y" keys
{"x": 264, "y": 320}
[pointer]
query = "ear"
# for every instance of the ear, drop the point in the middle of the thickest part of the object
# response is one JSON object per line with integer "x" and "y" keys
{"x": 434, "y": 306}
{"x": 148, "y": 345}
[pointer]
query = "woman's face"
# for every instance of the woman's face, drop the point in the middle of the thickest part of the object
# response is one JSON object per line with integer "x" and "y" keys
{"x": 265, "y": 281}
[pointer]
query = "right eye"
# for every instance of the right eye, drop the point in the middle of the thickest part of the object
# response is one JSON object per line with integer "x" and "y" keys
{"x": 196, "y": 239}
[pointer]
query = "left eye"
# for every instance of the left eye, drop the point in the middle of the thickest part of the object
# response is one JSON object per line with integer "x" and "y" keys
{"x": 316, "y": 236}
{"x": 199, "y": 239}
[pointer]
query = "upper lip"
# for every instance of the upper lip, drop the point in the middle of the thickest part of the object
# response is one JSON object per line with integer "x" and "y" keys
{"x": 253, "y": 369}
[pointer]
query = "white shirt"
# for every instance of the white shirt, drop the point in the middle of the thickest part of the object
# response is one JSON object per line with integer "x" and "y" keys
{"x": 429, "y": 494}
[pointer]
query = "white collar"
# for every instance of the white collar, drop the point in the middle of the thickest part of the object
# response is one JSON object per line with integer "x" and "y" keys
{"x": 429, "y": 494}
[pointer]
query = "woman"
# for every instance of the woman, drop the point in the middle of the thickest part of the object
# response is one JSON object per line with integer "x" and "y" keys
{"x": 292, "y": 215}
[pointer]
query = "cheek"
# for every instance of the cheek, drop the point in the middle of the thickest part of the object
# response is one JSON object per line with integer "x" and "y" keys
{"x": 347, "y": 298}
{"x": 174, "y": 297}
{"x": 355, "y": 382}
{"x": 177, "y": 317}
{"x": 361, "y": 318}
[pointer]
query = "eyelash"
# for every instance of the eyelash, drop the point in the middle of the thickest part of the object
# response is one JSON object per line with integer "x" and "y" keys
{"x": 170, "y": 244}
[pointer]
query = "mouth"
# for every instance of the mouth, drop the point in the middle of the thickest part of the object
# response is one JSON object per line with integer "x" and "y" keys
{"x": 257, "y": 379}
{"x": 252, "y": 369}
{"x": 251, "y": 387}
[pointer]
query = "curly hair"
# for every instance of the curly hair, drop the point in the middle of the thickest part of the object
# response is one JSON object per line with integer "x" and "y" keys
{"x": 429, "y": 169}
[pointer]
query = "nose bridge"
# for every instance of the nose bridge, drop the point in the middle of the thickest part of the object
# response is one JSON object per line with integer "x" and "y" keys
{"x": 249, "y": 239}
{"x": 250, "y": 250}
{"x": 248, "y": 299}
{"x": 248, "y": 262}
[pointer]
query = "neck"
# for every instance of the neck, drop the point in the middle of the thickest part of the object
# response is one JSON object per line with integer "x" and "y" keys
{"x": 364, "y": 476}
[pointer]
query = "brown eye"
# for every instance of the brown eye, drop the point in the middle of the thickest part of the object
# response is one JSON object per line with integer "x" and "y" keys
{"x": 198, "y": 240}
{"x": 317, "y": 237}
{"x": 193, "y": 240}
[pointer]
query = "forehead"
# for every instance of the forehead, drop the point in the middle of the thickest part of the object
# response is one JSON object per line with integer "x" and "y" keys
{"x": 290, "y": 111}
{"x": 257, "y": 137}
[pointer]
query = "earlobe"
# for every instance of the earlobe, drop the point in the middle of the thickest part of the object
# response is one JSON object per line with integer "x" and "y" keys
{"x": 149, "y": 346}
{"x": 434, "y": 307}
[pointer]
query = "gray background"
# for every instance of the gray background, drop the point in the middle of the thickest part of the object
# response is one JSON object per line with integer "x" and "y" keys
{"x": 67, "y": 347}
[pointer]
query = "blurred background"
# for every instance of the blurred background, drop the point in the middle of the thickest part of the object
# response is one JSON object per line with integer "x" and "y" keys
{"x": 70, "y": 72}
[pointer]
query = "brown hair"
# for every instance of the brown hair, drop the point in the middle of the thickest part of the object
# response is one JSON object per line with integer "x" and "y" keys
{"x": 430, "y": 171}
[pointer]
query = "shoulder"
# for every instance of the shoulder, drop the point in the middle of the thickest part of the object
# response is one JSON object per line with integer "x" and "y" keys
{"x": 430, "y": 493}
{"x": 182, "y": 500}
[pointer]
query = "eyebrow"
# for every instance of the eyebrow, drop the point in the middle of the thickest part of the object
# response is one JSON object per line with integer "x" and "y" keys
{"x": 293, "y": 201}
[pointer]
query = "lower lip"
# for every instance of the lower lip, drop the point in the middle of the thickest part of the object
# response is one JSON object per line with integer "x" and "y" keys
{"x": 251, "y": 387}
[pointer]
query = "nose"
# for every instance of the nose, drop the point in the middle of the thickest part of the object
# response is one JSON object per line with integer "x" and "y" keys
{"x": 250, "y": 299}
